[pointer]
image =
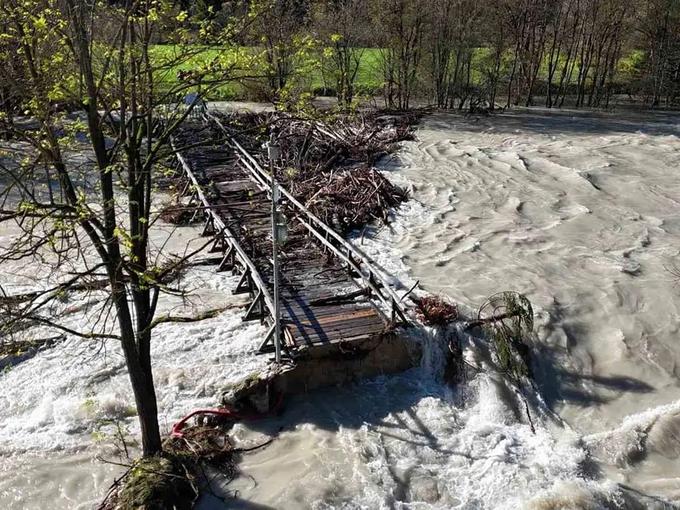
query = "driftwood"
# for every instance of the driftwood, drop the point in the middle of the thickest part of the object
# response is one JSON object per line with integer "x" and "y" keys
{"x": 328, "y": 163}
{"x": 488, "y": 320}
{"x": 208, "y": 314}
{"x": 13, "y": 353}
{"x": 435, "y": 311}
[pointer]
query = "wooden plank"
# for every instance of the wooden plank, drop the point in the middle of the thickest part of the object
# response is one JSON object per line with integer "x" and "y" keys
{"x": 346, "y": 316}
{"x": 337, "y": 326}
{"x": 329, "y": 337}
{"x": 303, "y": 308}
{"x": 298, "y": 310}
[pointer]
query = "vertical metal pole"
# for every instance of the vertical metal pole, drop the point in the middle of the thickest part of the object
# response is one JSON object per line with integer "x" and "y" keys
{"x": 275, "y": 257}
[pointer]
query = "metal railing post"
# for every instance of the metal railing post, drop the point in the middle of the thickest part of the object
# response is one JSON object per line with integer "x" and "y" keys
{"x": 273, "y": 154}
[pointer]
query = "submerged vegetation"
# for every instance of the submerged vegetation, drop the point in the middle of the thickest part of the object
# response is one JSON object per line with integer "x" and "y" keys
{"x": 508, "y": 320}
{"x": 156, "y": 483}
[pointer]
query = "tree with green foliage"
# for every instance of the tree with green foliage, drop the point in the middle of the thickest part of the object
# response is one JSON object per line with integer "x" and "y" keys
{"x": 83, "y": 69}
{"x": 278, "y": 29}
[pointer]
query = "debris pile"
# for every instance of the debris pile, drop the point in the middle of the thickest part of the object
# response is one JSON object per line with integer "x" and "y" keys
{"x": 202, "y": 443}
{"x": 176, "y": 214}
{"x": 435, "y": 311}
{"x": 349, "y": 199}
{"x": 327, "y": 164}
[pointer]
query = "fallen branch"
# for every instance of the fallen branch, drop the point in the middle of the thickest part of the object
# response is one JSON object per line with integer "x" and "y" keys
{"x": 489, "y": 320}
{"x": 341, "y": 298}
{"x": 13, "y": 353}
{"x": 208, "y": 314}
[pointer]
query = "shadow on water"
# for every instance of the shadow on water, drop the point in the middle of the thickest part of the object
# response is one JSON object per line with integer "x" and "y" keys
{"x": 387, "y": 407}
{"x": 368, "y": 402}
{"x": 385, "y": 404}
{"x": 559, "y": 384}
{"x": 221, "y": 502}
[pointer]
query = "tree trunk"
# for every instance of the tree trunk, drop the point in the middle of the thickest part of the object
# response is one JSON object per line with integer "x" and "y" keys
{"x": 141, "y": 379}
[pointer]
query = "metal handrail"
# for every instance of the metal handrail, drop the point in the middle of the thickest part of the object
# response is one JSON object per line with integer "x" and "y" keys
{"x": 369, "y": 275}
{"x": 224, "y": 229}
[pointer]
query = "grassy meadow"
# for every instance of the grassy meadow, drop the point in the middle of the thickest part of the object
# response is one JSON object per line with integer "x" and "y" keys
{"x": 312, "y": 77}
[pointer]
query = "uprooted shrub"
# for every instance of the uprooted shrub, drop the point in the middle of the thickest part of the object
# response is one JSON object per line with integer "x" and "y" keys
{"x": 508, "y": 320}
{"x": 204, "y": 444}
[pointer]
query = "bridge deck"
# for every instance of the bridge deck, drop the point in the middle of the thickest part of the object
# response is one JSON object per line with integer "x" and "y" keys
{"x": 312, "y": 282}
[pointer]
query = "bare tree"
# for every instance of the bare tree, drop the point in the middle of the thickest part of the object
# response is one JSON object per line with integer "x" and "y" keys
{"x": 343, "y": 31}
{"x": 402, "y": 23}
{"x": 452, "y": 36}
{"x": 659, "y": 24}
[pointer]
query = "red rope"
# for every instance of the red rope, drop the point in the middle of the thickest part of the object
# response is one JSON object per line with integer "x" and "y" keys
{"x": 226, "y": 412}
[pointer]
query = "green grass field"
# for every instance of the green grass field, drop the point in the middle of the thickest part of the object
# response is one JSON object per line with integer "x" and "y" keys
{"x": 368, "y": 76}
{"x": 312, "y": 78}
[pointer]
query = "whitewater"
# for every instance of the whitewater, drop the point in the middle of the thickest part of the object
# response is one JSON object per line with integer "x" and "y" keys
{"x": 578, "y": 211}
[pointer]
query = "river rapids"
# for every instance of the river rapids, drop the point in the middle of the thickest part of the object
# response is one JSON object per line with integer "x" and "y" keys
{"x": 579, "y": 211}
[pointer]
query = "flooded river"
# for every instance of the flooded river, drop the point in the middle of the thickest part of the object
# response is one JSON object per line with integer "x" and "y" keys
{"x": 580, "y": 212}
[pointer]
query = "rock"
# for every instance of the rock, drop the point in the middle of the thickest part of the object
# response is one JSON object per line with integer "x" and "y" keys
{"x": 424, "y": 488}
{"x": 252, "y": 393}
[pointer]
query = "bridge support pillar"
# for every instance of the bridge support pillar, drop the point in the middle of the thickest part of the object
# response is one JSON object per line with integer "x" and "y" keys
{"x": 245, "y": 284}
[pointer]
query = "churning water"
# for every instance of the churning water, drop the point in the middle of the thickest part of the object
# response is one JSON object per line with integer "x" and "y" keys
{"x": 580, "y": 212}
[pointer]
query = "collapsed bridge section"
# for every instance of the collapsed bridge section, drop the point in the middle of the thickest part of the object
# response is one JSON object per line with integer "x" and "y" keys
{"x": 331, "y": 295}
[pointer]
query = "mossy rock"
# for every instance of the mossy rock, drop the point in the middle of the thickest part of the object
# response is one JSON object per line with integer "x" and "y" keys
{"x": 250, "y": 393}
{"x": 156, "y": 483}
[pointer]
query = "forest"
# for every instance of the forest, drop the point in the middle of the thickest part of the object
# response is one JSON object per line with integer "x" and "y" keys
{"x": 445, "y": 53}
{"x": 451, "y": 53}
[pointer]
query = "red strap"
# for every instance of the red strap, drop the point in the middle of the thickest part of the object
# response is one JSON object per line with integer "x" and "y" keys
{"x": 223, "y": 411}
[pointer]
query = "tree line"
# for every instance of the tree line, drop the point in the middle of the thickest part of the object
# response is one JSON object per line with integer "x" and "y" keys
{"x": 460, "y": 53}
{"x": 446, "y": 53}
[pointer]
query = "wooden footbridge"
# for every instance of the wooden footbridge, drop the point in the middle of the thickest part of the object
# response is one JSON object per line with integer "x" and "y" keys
{"x": 331, "y": 295}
